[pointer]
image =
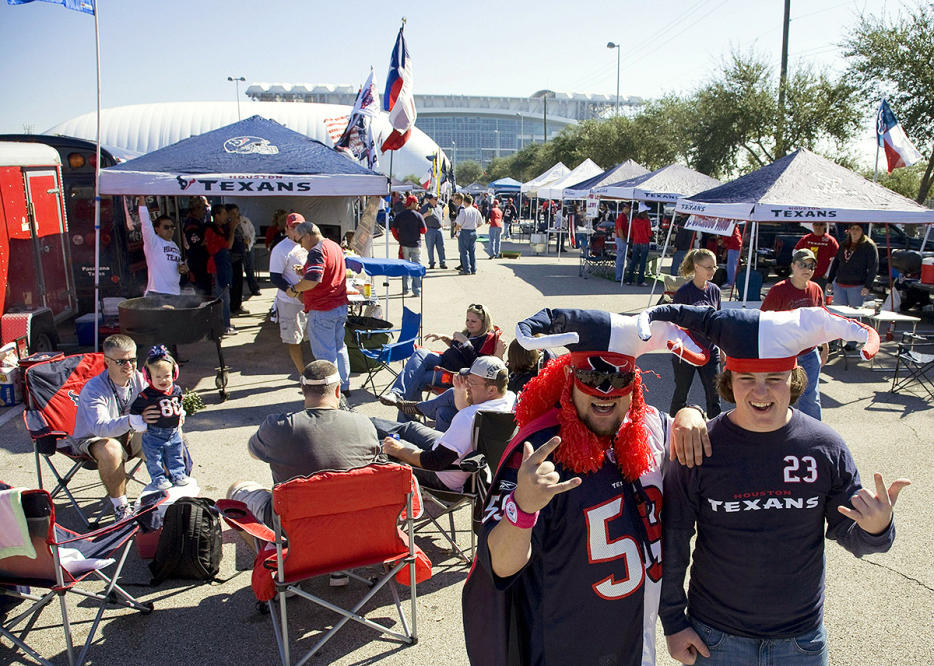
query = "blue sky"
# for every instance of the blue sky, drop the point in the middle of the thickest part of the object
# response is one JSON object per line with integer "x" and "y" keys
{"x": 169, "y": 50}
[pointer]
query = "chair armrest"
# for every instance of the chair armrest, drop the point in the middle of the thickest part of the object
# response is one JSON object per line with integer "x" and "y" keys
{"x": 238, "y": 516}
{"x": 360, "y": 332}
{"x": 472, "y": 463}
{"x": 153, "y": 500}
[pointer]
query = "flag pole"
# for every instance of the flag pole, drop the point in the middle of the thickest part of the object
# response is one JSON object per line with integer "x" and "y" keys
{"x": 875, "y": 169}
{"x": 97, "y": 181}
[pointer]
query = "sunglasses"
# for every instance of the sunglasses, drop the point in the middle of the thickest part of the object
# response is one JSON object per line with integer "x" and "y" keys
{"x": 807, "y": 265}
{"x": 122, "y": 362}
{"x": 597, "y": 379}
{"x": 475, "y": 306}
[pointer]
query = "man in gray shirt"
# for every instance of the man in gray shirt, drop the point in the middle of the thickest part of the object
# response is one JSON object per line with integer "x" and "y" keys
{"x": 433, "y": 213}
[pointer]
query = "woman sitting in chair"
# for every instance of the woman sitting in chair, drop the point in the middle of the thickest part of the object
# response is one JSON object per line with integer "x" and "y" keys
{"x": 426, "y": 369}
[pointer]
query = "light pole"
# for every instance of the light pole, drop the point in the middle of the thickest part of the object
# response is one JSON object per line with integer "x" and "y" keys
{"x": 544, "y": 95}
{"x": 237, "y": 81}
{"x": 496, "y": 132}
{"x": 521, "y": 131}
{"x": 612, "y": 45}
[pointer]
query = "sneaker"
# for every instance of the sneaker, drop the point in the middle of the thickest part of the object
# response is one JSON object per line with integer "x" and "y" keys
{"x": 444, "y": 266}
{"x": 431, "y": 266}
{"x": 643, "y": 284}
{"x": 161, "y": 484}
{"x": 339, "y": 580}
{"x": 231, "y": 330}
{"x": 459, "y": 267}
{"x": 122, "y": 512}
{"x": 181, "y": 480}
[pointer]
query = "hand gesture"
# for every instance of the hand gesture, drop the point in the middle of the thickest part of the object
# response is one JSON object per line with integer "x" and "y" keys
{"x": 538, "y": 481}
{"x": 459, "y": 337}
{"x": 685, "y": 645}
{"x": 873, "y": 512}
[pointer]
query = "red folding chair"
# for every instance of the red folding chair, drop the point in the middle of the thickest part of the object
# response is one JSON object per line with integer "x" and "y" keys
{"x": 335, "y": 522}
{"x": 59, "y": 562}
{"x": 446, "y": 380}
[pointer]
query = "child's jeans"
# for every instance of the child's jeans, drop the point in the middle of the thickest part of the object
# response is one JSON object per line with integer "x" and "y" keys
{"x": 164, "y": 445}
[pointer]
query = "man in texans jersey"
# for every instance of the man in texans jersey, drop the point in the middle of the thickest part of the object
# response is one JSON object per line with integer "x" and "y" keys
{"x": 777, "y": 480}
{"x": 569, "y": 558}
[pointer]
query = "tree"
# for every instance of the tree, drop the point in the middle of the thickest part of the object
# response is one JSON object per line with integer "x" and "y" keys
{"x": 467, "y": 172}
{"x": 894, "y": 60}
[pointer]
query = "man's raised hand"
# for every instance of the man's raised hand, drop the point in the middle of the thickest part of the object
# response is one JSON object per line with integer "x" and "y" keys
{"x": 873, "y": 512}
{"x": 537, "y": 480}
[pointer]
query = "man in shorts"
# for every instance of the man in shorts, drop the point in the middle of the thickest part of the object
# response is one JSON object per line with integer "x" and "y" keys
{"x": 285, "y": 256}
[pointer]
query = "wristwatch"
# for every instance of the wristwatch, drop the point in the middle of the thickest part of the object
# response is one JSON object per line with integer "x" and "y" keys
{"x": 517, "y": 516}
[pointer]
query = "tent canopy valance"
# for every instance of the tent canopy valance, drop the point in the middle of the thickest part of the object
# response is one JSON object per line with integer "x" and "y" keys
{"x": 667, "y": 184}
{"x": 388, "y": 267}
{"x": 804, "y": 187}
{"x": 255, "y": 157}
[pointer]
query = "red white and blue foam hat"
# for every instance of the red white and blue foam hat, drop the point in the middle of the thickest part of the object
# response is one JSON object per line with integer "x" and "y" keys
{"x": 757, "y": 341}
{"x": 604, "y": 341}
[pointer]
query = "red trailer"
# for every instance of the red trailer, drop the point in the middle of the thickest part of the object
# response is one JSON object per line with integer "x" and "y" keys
{"x": 36, "y": 284}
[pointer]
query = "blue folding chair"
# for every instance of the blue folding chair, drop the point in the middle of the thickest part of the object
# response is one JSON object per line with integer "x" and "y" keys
{"x": 381, "y": 357}
{"x": 755, "y": 286}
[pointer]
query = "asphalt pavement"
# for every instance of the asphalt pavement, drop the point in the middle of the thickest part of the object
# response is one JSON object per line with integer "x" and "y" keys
{"x": 879, "y": 609}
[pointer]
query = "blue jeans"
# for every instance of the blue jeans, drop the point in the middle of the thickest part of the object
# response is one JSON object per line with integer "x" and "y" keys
{"x": 495, "y": 234}
{"x": 440, "y": 408}
{"x": 582, "y": 241}
{"x": 250, "y": 271}
{"x": 620, "y": 257}
{"x": 223, "y": 293}
{"x": 413, "y": 254}
{"x": 434, "y": 239}
{"x": 325, "y": 330}
{"x": 640, "y": 254}
{"x": 163, "y": 445}
{"x": 417, "y": 374}
{"x": 732, "y": 261}
{"x": 676, "y": 260}
{"x": 851, "y": 296}
{"x": 809, "y": 402}
{"x": 809, "y": 649}
{"x": 466, "y": 243}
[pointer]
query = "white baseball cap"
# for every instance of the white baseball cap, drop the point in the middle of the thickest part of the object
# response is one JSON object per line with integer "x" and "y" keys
{"x": 487, "y": 367}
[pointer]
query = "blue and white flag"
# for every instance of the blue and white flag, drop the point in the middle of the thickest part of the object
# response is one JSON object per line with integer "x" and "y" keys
{"x": 357, "y": 137}
{"x": 899, "y": 151}
{"x": 85, "y": 6}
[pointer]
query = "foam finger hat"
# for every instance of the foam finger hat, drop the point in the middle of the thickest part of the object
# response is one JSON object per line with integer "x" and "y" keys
{"x": 762, "y": 341}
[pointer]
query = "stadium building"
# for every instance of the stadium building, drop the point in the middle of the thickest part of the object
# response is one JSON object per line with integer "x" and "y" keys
{"x": 471, "y": 127}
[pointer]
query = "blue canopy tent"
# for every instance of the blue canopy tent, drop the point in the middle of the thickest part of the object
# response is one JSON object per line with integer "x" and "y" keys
{"x": 506, "y": 185}
{"x": 373, "y": 266}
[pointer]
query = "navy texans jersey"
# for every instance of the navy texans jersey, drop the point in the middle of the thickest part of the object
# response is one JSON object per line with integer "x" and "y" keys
{"x": 589, "y": 593}
{"x": 170, "y": 405}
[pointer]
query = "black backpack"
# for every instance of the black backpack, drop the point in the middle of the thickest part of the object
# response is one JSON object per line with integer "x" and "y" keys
{"x": 190, "y": 543}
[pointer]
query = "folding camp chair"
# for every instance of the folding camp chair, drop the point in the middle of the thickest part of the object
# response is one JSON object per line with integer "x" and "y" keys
{"x": 491, "y": 434}
{"x": 595, "y": 260}
{"x": 334, "y": 522}
{"x": 915, "y": 355}
{"x": 445, "y": 377}
{"x": 381, "y": 357}
{"x": 52, "y": 390}
{"x": 38, "y": 553}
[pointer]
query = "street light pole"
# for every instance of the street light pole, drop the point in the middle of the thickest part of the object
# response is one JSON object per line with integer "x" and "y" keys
{"x": 544, "y": 95}
{"x": 521, "y": 132}
{"x": 237, "y": 81}
{"x": 613, "y": 45}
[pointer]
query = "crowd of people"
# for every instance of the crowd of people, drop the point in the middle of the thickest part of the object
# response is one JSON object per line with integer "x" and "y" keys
{"x": 573, "y": 516}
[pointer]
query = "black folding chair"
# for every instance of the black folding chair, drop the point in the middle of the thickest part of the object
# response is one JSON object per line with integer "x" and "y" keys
{"x": 915, "y": 357}
{"x": 491, "y": 434}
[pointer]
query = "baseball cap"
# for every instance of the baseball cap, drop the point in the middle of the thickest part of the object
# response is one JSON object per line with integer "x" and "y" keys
{"x": 643, "y": 207}
{"x": 803, "y": 254}
{"x": 487, "y": 367}
{"x": 294, "y": 218}
{"x": 411, "y": 199}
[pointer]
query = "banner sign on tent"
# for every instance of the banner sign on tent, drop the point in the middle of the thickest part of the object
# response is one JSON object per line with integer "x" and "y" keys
{"x": 244, "y": 185}
{"x": 710, "y": 225}
{"x": 593, "y": 205}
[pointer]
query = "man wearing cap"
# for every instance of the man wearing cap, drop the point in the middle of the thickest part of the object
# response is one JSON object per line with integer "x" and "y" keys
{"x": 429, "y": 451}
{"x": 824, "y": 246}
{"x": 797, "y": 291}
{"x": 433, "y": 213}
{"x": 775, "y": 484}
{"x": 323, "y": 290}
{"x": 408, "y": 227}
{"x": 640, "y": 235}
{"x": 286, "y": 259}
{"x": 568, "y": 562}
{"x": 320, "y": 436}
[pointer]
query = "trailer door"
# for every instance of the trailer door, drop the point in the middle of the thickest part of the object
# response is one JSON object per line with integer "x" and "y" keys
{"x": 47, "y": 219}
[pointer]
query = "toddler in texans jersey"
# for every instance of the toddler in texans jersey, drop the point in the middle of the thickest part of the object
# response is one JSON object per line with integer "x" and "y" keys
{"x": 162, "y": 440}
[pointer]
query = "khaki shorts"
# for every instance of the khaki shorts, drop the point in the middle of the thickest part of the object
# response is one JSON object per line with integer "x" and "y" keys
{"x": 292, "y": 319}
{"x": 257, "y": 499}
{"x": 131, "y": 441}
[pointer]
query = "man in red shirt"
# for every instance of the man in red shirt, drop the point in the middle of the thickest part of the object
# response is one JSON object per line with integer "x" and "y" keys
{"x": 824, "y": 246}
{"x": 734, "y": 246}
{"x": 799, "y": 292}
{"x": 621, "y": 232}
{"x": 324, "y": 291}
{"x": 640, "y": 236}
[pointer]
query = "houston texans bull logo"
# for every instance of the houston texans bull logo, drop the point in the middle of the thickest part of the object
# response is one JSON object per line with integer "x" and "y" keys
{"x": 250, "y": 145}
{"x": 73, "y": 396}
{"x": 598, "y": 375}
{"x": 184, "y": 183}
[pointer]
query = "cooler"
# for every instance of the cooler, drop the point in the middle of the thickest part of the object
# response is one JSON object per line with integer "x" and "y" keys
{"x": 84, "y": 328}
{"x": 927, "y": 271}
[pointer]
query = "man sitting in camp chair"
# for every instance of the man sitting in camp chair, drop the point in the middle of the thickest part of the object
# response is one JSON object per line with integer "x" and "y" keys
{"x": 320, "y": 436}
{"x": 431, "y": 452}
{"x": 102, "y": 423}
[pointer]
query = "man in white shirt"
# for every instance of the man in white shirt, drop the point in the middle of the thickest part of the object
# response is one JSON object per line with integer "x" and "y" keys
{"x": 163, "y": 258}
{"x": 468, "y": 221}
{"x": 283, "y": 260}
{"x": 431, "y": 452}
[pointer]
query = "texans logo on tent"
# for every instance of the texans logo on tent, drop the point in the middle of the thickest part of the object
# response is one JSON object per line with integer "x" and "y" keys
{"x": 184, "y": 183}
{"x": 250, "y": 145}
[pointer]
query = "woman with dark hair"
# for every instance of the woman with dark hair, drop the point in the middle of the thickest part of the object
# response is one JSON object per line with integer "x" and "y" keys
{"x": 478, "y": 338}
{"x": 854, "y": 268}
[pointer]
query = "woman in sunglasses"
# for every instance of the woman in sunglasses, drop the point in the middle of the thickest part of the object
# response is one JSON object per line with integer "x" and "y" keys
{"x": 163, "y": 258}
{"x": 425, "y": 369}
{"x": 798, "y": 291}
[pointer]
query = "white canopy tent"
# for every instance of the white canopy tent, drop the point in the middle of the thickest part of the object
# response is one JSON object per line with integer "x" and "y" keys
{"x": 583, "y": 171}
{"x": 667, "y": 184}
{"x": 626, "y": 170}
{"x": 555, "y": 173}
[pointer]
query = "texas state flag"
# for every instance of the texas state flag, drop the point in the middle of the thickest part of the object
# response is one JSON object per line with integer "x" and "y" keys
{"x": 398, "y": 98}
{"x": 85, "y": 6}
{"x": 899, "y": 151}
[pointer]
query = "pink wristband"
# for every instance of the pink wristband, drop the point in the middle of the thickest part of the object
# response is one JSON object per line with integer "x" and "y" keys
{"x": 516, "y": 516}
